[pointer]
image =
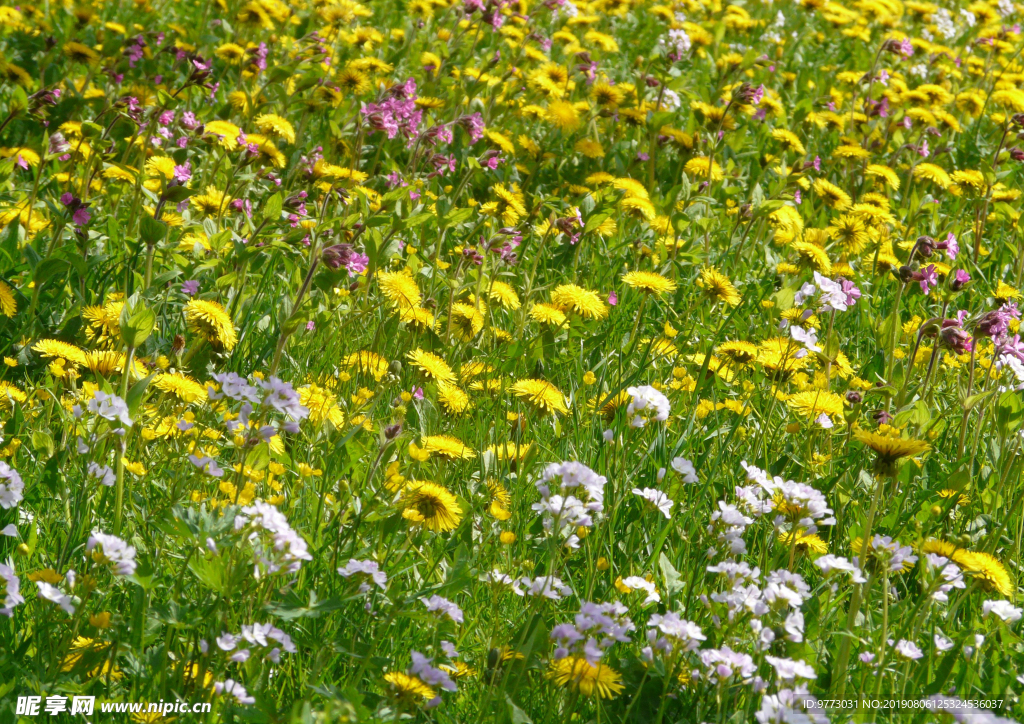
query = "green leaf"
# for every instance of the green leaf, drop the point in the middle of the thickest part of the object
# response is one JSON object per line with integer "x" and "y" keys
{"x": 41, "y": 441}
{"x": 209, "y": 572}
{"x": 136, "y": 393}
{"x": 177, "y": 194}
{"x": 137, "y": 322}
{"x": 974, "y": 400}
{"x": 91, "y": 130}
{"x": 415, "y": 220}
{"x": 673, "y": 581}
{"x": 593, "y": 222}
{"x": 49, "y": 268}
{"x": 757, "y": 196}
{"x": 19, "y": 100}
{"x": 1009, "y": 413}
{"x": 166, "y": 99}
{"x": 457, "y": 216}
{"x": 272, "y": 211}
{"x": 151, "y": 231}
{"x": 515, "y": 714}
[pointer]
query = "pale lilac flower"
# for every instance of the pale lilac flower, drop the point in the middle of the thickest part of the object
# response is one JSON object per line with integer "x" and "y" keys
{"x": 829, "y": 563}
{"x": 685, "y": 468}
{"x": 12, "y": 590}
{"x": 439, "y": 604}
{"x": 642, "y": 584}
{"x": 12, "y": 487}
{"x": 54, "y": 594}
{"x": 235, "y": 689}
{"x": 287, "y": 548}
{"x": 116, "y": 552}
{"x": 907, "y": 650}
{"x": 103, "y": 473}
{"x": 428, "y": 674}
{"x": 791, "y": 706}
{"x": 724, "y": 663}
{"x": 207, "y": 465}
{"x": 789, "y": 670}
{"x": 234, "y": 387}
{"x": 546, "y": 586}
{"x": 110, "y": 407}
{"x": 658, "y": 499}
{"x": 1005, "y": 610}
{"x": 368, "y": 568}
{"x": 647, "y": 404}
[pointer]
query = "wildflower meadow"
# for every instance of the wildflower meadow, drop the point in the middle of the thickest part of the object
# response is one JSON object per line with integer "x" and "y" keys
{"x": 506, "y": 361}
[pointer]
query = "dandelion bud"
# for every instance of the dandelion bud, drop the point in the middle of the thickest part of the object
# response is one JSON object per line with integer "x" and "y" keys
{"x": 178, "y": 345}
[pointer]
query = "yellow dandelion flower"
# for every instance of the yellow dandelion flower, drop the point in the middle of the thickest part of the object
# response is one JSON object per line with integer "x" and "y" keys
{"x": 400, "y": 288}
{"x": 276, "y": 126}
{"x": 55, "y": 349}
{"x": 890, "y": 449}
{"x": 584, "y": 302}
{"x": 431, "y": 365}
{"x": 447, "y": 446}
{"x": 563, "y": 115}
{"x": 408, "y": 687}
{"x": 831, "y": 194}
{"x": 814, "y": 403}
{"x": 431, "y": 506}
{"x": 183, "y": 387}
{"x": 704, "y": 168}
{"x": 885, "y": 173}
{"x": 649, "y": 282}
{"x": 578, "y": 674}
{"x": 542, "y": 395}
{"x": 210, "y": 320}
{"x": 8, "y": 303}
{"x": 986, "y": 570}
{"x": 718, "y": 287}
{"x": 452, "y": 398}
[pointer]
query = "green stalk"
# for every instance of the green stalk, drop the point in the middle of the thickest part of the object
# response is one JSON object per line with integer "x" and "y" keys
{"x": 119, "y": 463}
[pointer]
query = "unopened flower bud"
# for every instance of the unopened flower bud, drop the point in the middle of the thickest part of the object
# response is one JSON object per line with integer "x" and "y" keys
{"x": 337, "y": 256}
